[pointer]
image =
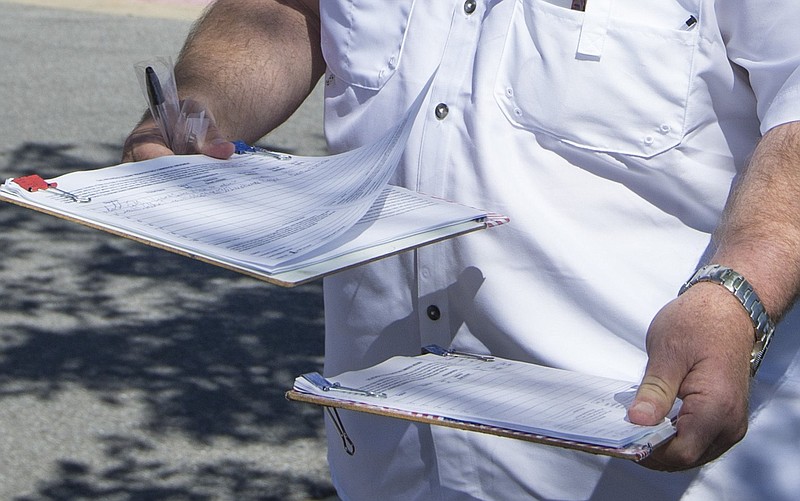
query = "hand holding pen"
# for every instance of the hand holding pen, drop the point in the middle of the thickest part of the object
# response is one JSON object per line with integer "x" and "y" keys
{"x": 174, "y": 126}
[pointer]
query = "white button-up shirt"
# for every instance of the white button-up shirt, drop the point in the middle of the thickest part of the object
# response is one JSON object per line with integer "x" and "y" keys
{"x": 610, "y": 137}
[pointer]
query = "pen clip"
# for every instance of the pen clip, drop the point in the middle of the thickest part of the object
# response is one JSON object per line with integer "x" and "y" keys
{"x": 689, "y": 23}
{"x": 443, "y": 352}
{"x": 323, "y": 384}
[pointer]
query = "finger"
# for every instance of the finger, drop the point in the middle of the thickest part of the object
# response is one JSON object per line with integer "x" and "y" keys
{"x": 144, "y": 143}
{"x": 216, "y": 146}
{"x": 655, "y": 396}
{"x": 699, "y": 439}
{"x": 212, "y": 142}
{"x": 686, "y": 449}
{"x": 712, "y": 418}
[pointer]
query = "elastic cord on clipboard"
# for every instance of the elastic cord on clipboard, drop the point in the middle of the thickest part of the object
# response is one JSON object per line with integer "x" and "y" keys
{"x": 347, "y": 443}
{"x": 35, "y": 182}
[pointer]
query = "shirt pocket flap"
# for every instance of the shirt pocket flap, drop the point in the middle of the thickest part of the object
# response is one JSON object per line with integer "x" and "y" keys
{"x": 629, "y": 100}
{"x": 362, "y": 40}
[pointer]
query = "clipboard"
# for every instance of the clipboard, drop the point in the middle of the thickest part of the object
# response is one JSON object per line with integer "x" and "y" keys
{"x": 374, "y": 401}
{"x": 634, "y": 452}
{"x": 344, "y": 253}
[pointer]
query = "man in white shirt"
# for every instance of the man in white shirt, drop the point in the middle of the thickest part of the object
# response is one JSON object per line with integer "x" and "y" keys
{"x": 611, "y": 137}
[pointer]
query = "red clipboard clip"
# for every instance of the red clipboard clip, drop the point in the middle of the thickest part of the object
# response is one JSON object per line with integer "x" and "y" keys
{"x": 35, "y": 182}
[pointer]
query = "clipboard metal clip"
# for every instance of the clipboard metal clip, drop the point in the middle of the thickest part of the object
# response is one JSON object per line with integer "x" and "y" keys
{"x": 444, "y": 352}
{"x": 323, "y": 384}
{"x": 242, "y": 148}
{"x": 34, "y": 182}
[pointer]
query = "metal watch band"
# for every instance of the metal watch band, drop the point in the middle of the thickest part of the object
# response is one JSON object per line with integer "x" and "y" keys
{"x": 744, "y": 292}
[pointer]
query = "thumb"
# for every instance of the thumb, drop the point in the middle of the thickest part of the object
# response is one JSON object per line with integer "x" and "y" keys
{"x": 212, "y": 142}
{"x": 654, "y": 398}
{"x": 214, "y": 145}
{"x": 217, "y": 147}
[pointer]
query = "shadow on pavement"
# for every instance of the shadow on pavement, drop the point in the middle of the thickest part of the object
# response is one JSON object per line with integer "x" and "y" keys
{"x": 200, "y": 352}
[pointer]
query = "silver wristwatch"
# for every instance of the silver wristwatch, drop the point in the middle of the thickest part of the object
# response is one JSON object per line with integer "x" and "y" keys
{"x": 744, "y": 292}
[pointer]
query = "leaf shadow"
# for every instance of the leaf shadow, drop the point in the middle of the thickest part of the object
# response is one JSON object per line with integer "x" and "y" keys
{"x": 209, "y": 353}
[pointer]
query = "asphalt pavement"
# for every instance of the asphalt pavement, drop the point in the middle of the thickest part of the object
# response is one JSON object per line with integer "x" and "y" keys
{"x": 127, "y": 372}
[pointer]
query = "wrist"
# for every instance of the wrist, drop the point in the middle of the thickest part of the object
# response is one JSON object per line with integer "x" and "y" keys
{"x": 744, "y": 292}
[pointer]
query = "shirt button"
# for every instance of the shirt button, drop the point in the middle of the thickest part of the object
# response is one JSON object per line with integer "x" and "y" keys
{"x": 441, "y": 111}
{"x": 469, "y": 6}
{"x": 434, "y": 313}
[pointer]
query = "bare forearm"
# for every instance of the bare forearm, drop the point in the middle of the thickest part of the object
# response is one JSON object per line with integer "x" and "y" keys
{"x": 760, "y": 233}
{"x": 251, "y": 62}
{"x": 700, "y": 344}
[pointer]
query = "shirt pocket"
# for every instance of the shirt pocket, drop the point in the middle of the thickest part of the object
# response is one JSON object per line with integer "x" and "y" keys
{"x": 630, "y": 99}
{"x": 362, "y": 40}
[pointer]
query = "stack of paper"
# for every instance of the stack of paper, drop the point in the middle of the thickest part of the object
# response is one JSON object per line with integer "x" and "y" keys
{"x": 567, "y": 407}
